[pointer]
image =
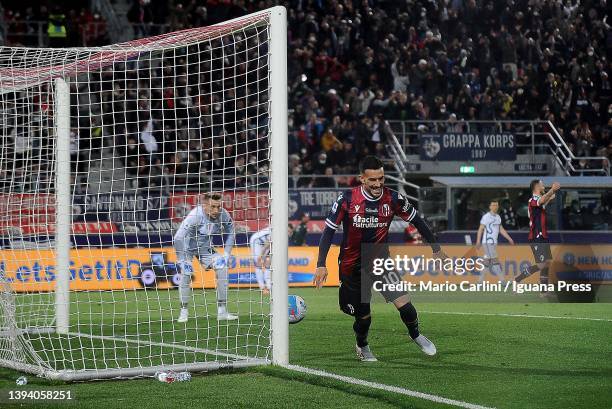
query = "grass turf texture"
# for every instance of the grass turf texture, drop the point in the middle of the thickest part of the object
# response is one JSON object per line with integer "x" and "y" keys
{"x": 504, "y": 362}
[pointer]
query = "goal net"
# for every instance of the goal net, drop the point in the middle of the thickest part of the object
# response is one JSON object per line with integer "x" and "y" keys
{"x": 103, "y": 153}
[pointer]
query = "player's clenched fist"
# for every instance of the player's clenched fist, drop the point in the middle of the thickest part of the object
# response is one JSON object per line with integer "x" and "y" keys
{"x": 556, "y": 186}
{"x": 320, "y": 276}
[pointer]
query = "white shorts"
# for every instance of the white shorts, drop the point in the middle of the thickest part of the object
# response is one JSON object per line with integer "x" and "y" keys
{"x": 256, "y": 250}
{"x": 490, "y": 250}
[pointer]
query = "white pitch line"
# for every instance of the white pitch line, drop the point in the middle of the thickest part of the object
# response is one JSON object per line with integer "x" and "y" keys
{"x": 383, "y": 387}
{"x": 159, "y": 344}
{"x": 501, "y": 314}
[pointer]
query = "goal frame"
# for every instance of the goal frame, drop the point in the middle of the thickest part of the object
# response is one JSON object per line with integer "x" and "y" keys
{"x": 278, "y": 165}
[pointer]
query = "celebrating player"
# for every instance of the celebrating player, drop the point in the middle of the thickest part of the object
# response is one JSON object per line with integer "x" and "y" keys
{"x": 366, "y": 213}
{"x": 260, "y": 251}
{"x": 488, "y": 232}
{"x": 538, "y": 234}
{"x": 195, "y": 238}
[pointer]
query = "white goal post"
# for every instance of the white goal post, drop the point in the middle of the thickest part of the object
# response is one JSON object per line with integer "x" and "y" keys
{"x": 103, "y": 153}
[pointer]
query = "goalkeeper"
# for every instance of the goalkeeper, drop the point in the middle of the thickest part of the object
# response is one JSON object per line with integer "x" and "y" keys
{"x": 195, "y": 238}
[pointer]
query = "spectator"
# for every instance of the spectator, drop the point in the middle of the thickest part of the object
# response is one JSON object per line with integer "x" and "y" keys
{"x": 508, "y": 217}
{"x": 147, "y": 137}
{"x": 350, "y": 69}
{"x": 290, "y": 232}
{"x": 299, "y": 235}
{"x": 140, "y": 16}
{"x": 325, "y": 182}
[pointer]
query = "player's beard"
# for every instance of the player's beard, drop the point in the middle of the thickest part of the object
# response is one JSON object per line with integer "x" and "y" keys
{"x": 375, "y": 192}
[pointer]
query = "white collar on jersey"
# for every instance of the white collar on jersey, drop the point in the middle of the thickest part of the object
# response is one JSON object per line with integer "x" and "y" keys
{"x": 370, "y": 197}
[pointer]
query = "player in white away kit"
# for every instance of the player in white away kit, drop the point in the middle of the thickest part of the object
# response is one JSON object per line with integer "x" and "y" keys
{"x": 488, "y": 232}
{"x": 260, "y": 251}
{"x": 194, "y": 238}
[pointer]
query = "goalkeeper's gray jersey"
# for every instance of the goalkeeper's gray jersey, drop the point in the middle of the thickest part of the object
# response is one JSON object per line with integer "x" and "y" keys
{"x": 196, "y": 232}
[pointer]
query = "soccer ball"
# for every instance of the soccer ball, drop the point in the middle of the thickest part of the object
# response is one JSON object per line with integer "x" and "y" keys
{"x": 297, "y": 309}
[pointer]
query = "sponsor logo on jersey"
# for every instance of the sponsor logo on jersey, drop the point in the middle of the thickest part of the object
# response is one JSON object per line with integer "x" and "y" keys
{"x": 368, "y": 222}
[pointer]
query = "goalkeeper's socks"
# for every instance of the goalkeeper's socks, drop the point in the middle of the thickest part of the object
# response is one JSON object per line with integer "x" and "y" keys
{"x": 361, "y": 326}
{"x": 409, "y": 317}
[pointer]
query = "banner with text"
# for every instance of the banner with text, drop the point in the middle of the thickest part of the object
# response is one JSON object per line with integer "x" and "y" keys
{"x": 108, "y": 213}
{"x": 468, "y": 147}
{"x": 131, "y": 269}
{"x": 315, "y": 202}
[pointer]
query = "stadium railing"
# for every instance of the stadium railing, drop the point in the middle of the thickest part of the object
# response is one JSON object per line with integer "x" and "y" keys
{"x": 533, "y": 138}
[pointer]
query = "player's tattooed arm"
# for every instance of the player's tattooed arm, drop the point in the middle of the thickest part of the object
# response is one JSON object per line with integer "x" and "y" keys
{"x": 324, "y": 245}
{"x": 550, "y": 195}
{"x": 428, "y": 236}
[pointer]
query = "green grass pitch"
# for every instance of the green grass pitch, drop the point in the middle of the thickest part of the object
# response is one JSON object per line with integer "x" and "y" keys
{"x": 490, "y": 360}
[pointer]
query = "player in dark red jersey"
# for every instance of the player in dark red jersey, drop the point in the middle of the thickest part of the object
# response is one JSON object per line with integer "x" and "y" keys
{"x": 365, "y": 213}
{"x": 538, "y": 234}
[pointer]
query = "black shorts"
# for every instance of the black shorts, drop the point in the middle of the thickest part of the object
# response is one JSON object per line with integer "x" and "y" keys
{"x": 355, "y": 294}
{"x": 541, "y": 251}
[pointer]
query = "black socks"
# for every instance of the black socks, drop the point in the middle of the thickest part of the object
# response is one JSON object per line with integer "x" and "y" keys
{"x": 361, "y": 326}
{"x": 410, "y": 318}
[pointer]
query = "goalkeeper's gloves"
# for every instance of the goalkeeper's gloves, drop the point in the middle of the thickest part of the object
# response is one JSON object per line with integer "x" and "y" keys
{"x": 226, "y": 260}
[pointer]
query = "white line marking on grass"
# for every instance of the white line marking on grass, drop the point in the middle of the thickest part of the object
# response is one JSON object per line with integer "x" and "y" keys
{"x": 159, "y": 344}
{"x": 383, "y": 387}
{"x": 501, "y": 314}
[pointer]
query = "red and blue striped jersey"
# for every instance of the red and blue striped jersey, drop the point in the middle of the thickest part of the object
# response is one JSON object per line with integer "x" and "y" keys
{"x": 537, "y": 219}
{"x": 365, "y": 219}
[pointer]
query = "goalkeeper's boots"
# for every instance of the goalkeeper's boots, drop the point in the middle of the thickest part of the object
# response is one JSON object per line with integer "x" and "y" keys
{"x": 364, "y": 354}
{"x": 426, "y": 345}
{"x": 183, "y": 316}
{"x": 223, "y": 315}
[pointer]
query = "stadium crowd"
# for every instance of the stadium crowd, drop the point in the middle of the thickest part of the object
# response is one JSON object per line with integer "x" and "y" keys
{"x": 71, "y": 24}
{"x": 354, "y": 65}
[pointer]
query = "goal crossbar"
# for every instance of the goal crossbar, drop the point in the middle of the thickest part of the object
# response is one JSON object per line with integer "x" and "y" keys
{"x": 104, "y": 148}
